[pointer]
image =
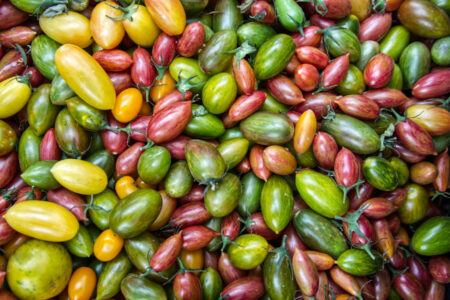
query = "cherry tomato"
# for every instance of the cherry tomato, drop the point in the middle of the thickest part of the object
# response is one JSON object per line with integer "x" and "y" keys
{"x": 82, "y": 284}
{"x": 162, "y": 87}
{"x": 128, "y": 104}
{"x": 169, "y": 15}
{"x": 107, "y": 245}
{"x": 141, "y": 28}
{"x": 107, "y": 33}
{"x": 125, "y": 186}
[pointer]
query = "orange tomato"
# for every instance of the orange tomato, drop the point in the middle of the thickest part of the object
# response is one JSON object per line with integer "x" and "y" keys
{"x": 146, "y": 109}
{"x": 305, "y": 130}
{"x": 106, "y": 32}
{"x": 125, "y": 186}
{"x": 107, "y": 245}
{"x": 82, "y": 284}
{"x": 127, "y": 106}
{"x": 192, "y": 259}
{"x": 162, "y": 87}
{"x": 169, "y": 15}
{"x": 142, "y": 185}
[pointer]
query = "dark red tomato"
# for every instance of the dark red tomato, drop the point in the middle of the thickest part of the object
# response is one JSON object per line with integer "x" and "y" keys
{"x": 49, "y": 146}
{"x": 9, "y": 165}
{"x": 36, "y": 77}
{"x": 10, "y": 15}
{"x": 114, "y": 141}
{"x": 265, "y": 10}
{"x": 164, "y": 49}
{"x": 284, "y": 90}
{"x": 408, "y": 287}
{"x": 191, "y": 40}
{"x": 325, "y": 150}
{"x": 143, "y": 72}
{"x": 318, "y": 103}
{"x": 346, "y": 168}
{"x": 120, "y": 80}
{"x": 375, "y": 27}
{"x": 334, "y": 72}
{"x": 379, "y": 70}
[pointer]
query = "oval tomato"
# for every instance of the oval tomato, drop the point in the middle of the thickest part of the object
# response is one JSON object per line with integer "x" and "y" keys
{"x": 14, "y": 94}
{"x": 169, "y": 15}
{"x": 107, "y": 245}
{"x": 127, "y": 106}
{"x": 80, "y": 176}
{"x": 68, "y": 28}
{"x": 42, "y": 220}
{"x": 82, "y": 284}
{"x": 107, "y": 33}
{"x": 140, "y": 27}
{"x": 85, "y": 76}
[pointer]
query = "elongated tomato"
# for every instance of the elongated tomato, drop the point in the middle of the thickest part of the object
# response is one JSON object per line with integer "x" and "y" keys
{"x": 141, "y": 28}
{"x": 169, "y": 15}
{"x": 42, "y": 220}
{"x": 305, "y": 129}
{"x": 85, "y": 76}
{"x": 70, "y": 28}
{"x": 80, "y": 176}
{"x": 14, "y": 95}
{"x": 106, "y": 32}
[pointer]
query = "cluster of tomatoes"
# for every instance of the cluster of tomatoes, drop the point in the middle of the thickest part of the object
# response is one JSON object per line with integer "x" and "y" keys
{"x": 224, "y": 149}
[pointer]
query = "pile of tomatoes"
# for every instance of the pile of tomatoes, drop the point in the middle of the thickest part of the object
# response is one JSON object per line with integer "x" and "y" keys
{"x": 195, "y": 149}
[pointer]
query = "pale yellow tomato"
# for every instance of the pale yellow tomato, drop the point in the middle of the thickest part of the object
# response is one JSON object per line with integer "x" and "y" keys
{"x": 85, "y": 76}
{"x": 80, "y": 176}
{"x": 68, "y": 28}
{"x": 107, "y": 32}
{"x": 141, "y": 28}
{"x": 14, "y": 94}
{"x": 42, "y": 220}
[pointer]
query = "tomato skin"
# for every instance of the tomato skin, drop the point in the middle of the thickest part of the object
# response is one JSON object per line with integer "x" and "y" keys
{"x": 313, "y": 56}
{"x": 359, "y": 106}
{"x": 43, "y": 220}
{"x": 304, "y": 132}
{"x": 375, "y": 27}
{"x": 80, "y": 176}
{"x": 71, "y": 28}
{"x": 163, "y": 87}
{"x": 192, "y": 40}
{"x": 125, "y": 186}
{"x": 13, "y": 96}
{"x": 169, "y": 15}
{"x": 106, "y": 32}
{"x": 82, "y": 284}
{"x": 335, "y": 71}
{"x": 107, "y": 245}
{"x": 127, "y": 106}
{"x": 113, "y": 60}
{"x": 85, "y": 76}
{"x": 141, "y": 29}
{"x": 307, "y": 77}
{"x": 432, "y": 85}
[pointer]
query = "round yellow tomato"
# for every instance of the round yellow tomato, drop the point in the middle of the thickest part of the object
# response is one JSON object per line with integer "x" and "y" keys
{"x": 162, "y": 87}
{"x": 42, "y": 220}
{"x": 80, "y": 176}
{"x": 67, "y": 28}
{"x": 85, "y": 76}
{"x": 125, "y": 186}
{"x": 107, "y": 33}
{"x": 107, "y": 245}
{"x": 169, "y": 15}
{"x": 82, "y": 284}
{"x": 128, "y": 104}
{"x": 141, "y": 28}
{"x": 14, "y": 95}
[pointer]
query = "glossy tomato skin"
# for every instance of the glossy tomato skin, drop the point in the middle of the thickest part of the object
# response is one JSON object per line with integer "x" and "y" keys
{"x": 13, "y": 95}
{"x": 59, "y": 224}
{"x": 106, "y": 32}
{"x": 82, "y": 283}
{"x": 77, "y": 68}
{"x": 70, "y": 28}
{"x": 141, "y": 29}
{"x": 107, "y": 245}
{"x": 168, "y": 15}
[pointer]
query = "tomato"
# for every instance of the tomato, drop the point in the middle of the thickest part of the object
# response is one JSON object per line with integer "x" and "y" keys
{"x": 40, "y": 277}
{"x": 415, "y": 63}
{"x": 219, "y": 93}
{"x": 80, "y": 176}
{"x": 140, "y": 27}
{"x": 248, "y": 251}
{"x": 169, "y": 15}
{"x": 204, "y": 161}
{"x": 14, "y": 94}
{"x": 38, "y": 175}
{"x": 67, "y": 28}
{"x": 107, "y": 33}
{"x": 8, "y": 138}
{"x": 222, "y": 200}
{"x": 319, "y": 233}
{"x": 107, "y": 245}
{"x": 82, "y": 244}
{"x": 135, "y": 287}
{"x": 266, "y": 128}
{"x": 43, "y": 220}
{"x": 211, "y": 284}
{"x": 82, "y": 284}
{"x": 125, "y": 186}
{"x": 277, "y": 276}
{"x": 162, "y": 87}
{"x": 305, "y": 130}
{"x": 357, "y": 262}
{"x": 43, "y": 51}
{"x": 127, "y": 106}
{"x": 430, "y": 238}
{"x": 255, "y": 33}
{"x": 85, "y": 76}
{"x": 192, "y": 259}
{"x": 435, "y": 120}
{"x": 113, "y": 273}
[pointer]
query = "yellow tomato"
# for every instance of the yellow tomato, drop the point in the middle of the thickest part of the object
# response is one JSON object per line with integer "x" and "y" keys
{"x": 434, "y": 119}
{"x": 107, "y": 33}
{"x": 142, "y": 185}
{"x": 82, "y": 284}
{"x": 107, "y": 245}
{"x": 162, "y": 87}
{"x": 361, "y": 9}
{"x": 169, "y": 15}
{"x": 80, "y": 176}
{"x": 128, "y": 104}
{"x": 14, "y": 95}
{"x": 141, "y": 28}
{"x": 67, "y": 28}
{"x": 125, "y": 186}
{"x": 42, "y": 220}
{"x": 85, "y": 76}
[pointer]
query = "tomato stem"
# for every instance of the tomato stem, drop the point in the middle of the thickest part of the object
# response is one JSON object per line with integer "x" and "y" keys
{"x": 241, "y": 52}
{"x": 352, "y": 220}
{"x": 127, "y": 11}
{"x": 246, "y": 5}
{"x": 319, "y": 6}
